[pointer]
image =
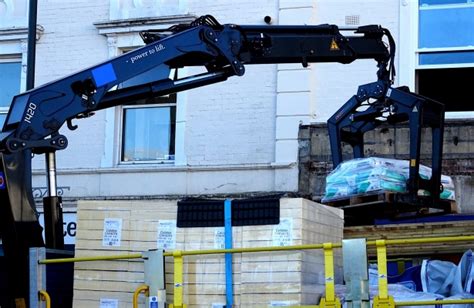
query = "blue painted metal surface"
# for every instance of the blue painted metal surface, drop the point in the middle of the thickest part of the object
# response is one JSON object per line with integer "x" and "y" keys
{"x": 228, "y": 256}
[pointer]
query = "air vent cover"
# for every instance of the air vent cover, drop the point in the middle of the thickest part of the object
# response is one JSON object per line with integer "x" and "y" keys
{"x": 245, "y": 212}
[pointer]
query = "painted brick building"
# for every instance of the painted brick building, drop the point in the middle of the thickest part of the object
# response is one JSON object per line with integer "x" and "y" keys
{"x": 237, "y": 137}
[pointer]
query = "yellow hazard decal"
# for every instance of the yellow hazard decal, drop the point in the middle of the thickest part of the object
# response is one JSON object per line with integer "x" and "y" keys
{"x": 334, "y": 45}
{"x": 412, "y": 162}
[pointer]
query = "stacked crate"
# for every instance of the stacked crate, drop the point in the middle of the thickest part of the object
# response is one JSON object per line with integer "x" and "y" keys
{"x": 259, "y": 279}
{"x": 204, "y": 276}
{"x": 293, "y": 277}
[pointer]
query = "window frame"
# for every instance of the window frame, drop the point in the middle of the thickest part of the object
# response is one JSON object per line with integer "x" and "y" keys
{"x": 121, "y": 133}
{"x": 122, "y": 35}
{"x": 11, "y": 58}
{"x": 121, "y": 126}
{"x": 419, "y": 51}
{"x": 409, "y": 52}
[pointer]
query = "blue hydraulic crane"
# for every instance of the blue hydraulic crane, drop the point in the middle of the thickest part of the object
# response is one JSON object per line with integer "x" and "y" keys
{"x": 35, "y": 116}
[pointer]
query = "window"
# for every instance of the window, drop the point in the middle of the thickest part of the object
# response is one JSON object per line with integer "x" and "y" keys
{"x": 445, "y": 52}
{"x": 148, "y": 133}
{"x": 148, "y": 126}
{"x": 120, "y": 132}
{"x": 10, "y": 81}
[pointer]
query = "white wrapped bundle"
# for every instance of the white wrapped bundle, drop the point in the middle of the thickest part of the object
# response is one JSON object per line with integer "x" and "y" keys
{"x": 366, "y": 175}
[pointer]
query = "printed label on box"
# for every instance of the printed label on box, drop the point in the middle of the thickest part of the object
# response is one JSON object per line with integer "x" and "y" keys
{"x": 282, "y": 303}
{"x": 108, "y": 303}
{"x": 283, "y": 233}
{"x": 167, "y": 234}
{"x": 219, "y": 238}
{"x": 112, "y": 232}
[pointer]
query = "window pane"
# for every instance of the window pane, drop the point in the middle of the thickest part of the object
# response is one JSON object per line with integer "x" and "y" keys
{"x": 2, "y": 120}
{"x": 439, "y": 2}
{"x": 446, "y": 27}
{"x": 158, "y": 73}
{"x": 9, "y": 82}
{"x": 148, "y": 133}
{"x": 447, "y": 57}
{"x": 451, "y": 87}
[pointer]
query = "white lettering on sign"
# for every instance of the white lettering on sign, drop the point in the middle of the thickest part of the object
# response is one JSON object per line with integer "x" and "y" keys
{"x": 166, "y": 234}
{"x": 69, "y": 227}
{"x": 112, "y": 232}
{"x": 146, "y": 53}
{"x": 30, "y": 112}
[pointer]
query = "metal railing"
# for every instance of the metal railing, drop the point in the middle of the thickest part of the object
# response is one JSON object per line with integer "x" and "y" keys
{"x": 381, "y": 300}
{"x": 44, "y": 296}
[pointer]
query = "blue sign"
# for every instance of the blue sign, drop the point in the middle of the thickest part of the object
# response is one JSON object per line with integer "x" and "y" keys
{"x": 3, "y": 185}
{"x": 153, "y": 300}
{"x": 104, "y": 74}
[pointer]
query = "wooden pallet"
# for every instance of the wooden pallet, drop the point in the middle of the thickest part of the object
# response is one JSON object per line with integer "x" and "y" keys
{"x": 416, "y": 230}
{"x": 365, "y": 208}
{"x": 361, "y": 200}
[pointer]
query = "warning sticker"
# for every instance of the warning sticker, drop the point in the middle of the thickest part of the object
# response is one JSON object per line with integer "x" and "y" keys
{"x": 112, "y": 232}
{"x": 167, "y": 234}
{"x": 283, "y": 233}
{"x": 108, "y": 303}
{"x": 219, "y": 238}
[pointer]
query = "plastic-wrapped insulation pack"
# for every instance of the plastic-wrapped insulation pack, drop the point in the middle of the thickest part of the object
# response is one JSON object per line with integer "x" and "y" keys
{"x": 373, "y": 174}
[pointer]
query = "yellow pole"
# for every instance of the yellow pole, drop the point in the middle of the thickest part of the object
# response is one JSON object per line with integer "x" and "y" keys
{"x": 330, "y": 299}
{"x": 86, "y": 259}
{"x": 382, "y": 268}
{"x": 178, "y": 279}
{"x": 329, "y": 271}
{"x": 255, "y": 249}
{"x": 44, "y": 296}
{"x": 382, "y": 300}
{"x": 140, "y": 289}
{"x": 426, "y": 240}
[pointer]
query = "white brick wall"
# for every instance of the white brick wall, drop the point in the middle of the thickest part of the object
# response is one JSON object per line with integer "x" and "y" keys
{"x": 336, "y": 83}
{"x": 233, "y": 122}
{"x": 71, "y": 43}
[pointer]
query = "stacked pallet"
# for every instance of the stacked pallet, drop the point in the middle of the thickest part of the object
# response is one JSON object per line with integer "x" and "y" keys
{"x": 289, "y": 278}
{"x": 116, "y": 280}
{"x": 204, "y": 276}
{"x": 416, "y": 230}
{"x": 259, "y": 279}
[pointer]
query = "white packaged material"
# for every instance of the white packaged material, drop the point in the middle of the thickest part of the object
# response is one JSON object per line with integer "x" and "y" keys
{"x": 366, "y": 175}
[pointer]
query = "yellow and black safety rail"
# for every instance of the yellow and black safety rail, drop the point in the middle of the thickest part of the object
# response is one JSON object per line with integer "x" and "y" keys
{"x": 330, "y": 299}
{"x": 382, "y": 300}
{"x": 141, "y": 289}
{"x": 89, "y": 259}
